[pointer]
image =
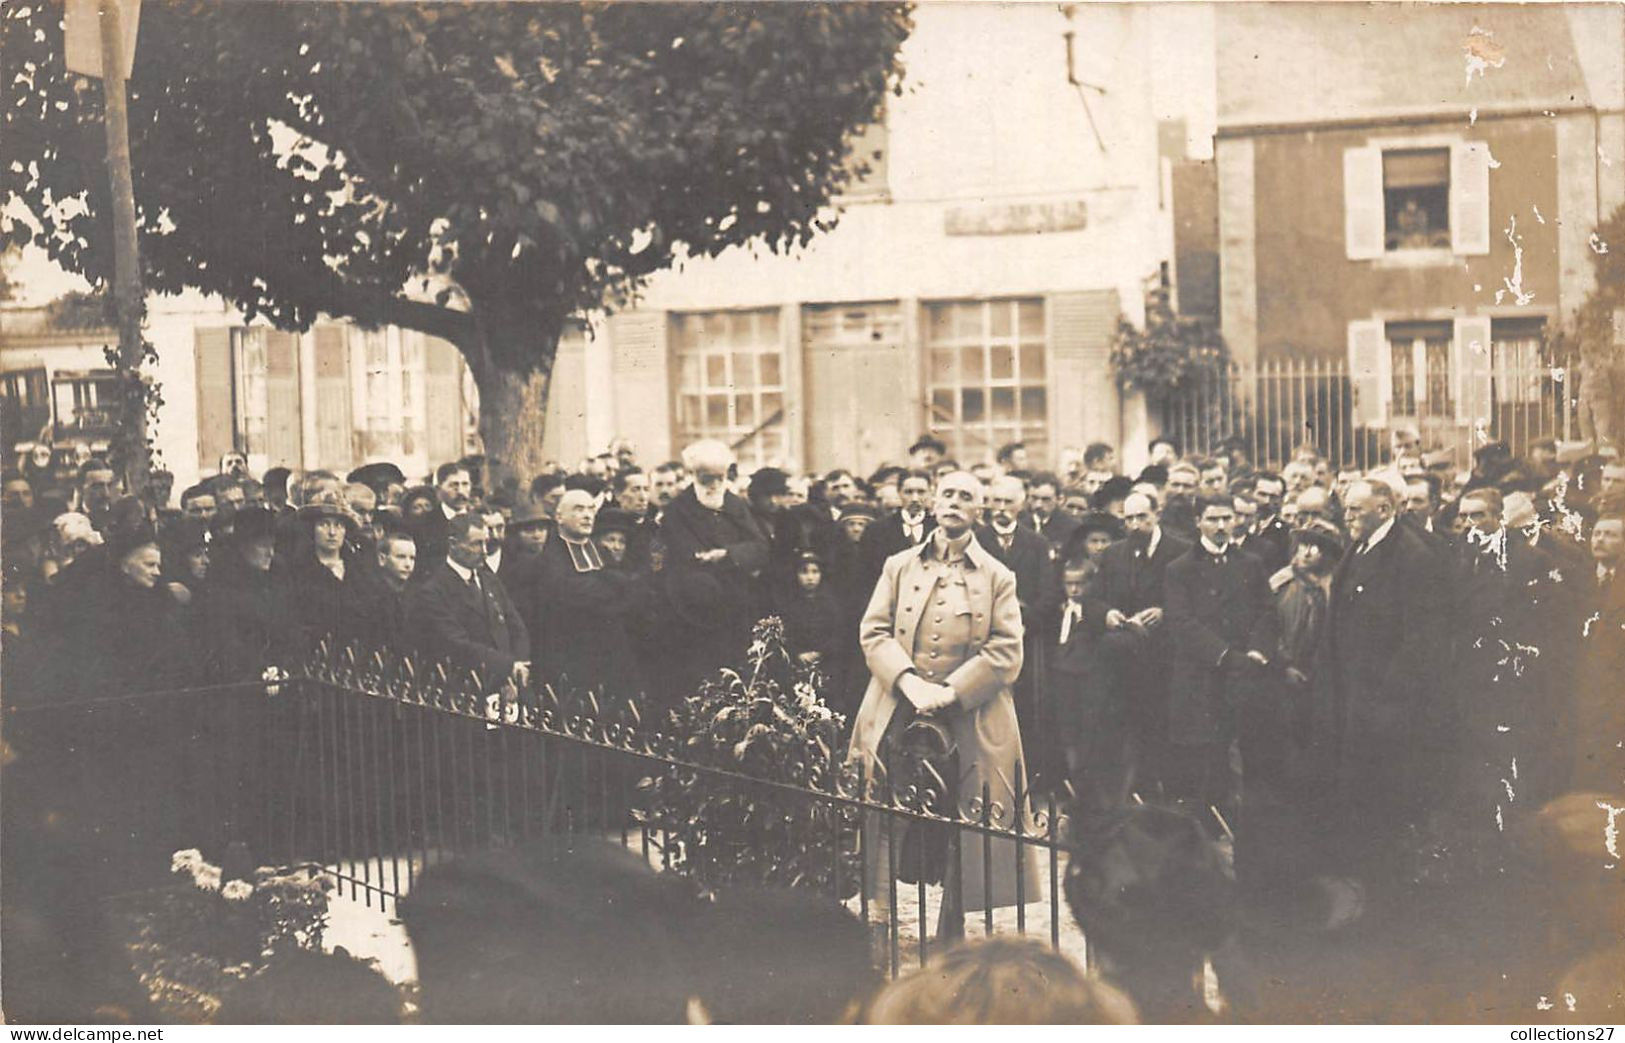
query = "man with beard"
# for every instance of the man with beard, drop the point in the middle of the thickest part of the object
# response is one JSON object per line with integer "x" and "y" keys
{"x": 1179, "y": 507}
{"x": 1038, "y": 589}
{"x": 1506, "y": 619}
{"x": 714, "y": 552}
{"x": 1386, "y": 748}
{"x": 1128, "y": 599}
{"x": 1271, "y": 541}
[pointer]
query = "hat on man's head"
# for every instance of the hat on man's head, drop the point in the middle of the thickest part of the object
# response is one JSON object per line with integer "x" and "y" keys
{"x": 1494, "y": 451}
{"x": 379, "y": 473}
{"x": 1100, "y": 521}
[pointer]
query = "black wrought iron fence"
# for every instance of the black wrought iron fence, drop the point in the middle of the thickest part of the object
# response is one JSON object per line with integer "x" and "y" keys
{"x": 377, "y": 767}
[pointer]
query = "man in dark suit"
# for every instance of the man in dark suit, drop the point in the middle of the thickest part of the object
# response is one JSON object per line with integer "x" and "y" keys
{"x": 1271, "y": 541}
{"x": 1044, "y": 515}
{"x": 908, "y": 527}
{"x": 1386, "y": 742}
{"x": 1038, "y": 588}
{"x": 1598, "y": 718}
{"x": 1127, "y": 600}
{"x": 461, "y": 611}
{"x": 1216, "y": 595}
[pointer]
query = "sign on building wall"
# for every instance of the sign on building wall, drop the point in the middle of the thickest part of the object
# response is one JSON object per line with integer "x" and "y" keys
{"x": 1065, "y": 215}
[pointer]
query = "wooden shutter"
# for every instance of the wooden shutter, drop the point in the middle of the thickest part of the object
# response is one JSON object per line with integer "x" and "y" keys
{"x": 282, "y": 431}
{"x": 1470, "y": 199}
{"x": 1369, "y": 372}
{"x": 1470, "y": 364}
{"x": 1362, "y": 203}
{"x": 216, "y": 424}
{"x": 442, "y": 401}
{"x": 335, "y": 431}
{"x": 1084, "y": 403}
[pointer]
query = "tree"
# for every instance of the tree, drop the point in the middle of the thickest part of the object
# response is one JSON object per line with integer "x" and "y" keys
{"x": 1593, "y": 335}
{"x": 479, "y": 172}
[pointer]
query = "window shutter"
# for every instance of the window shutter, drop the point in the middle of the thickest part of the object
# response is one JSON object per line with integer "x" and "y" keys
{"x": 1369, "y": 372}
{"x": 282, "y": 432}
{"x": 1470, "y": 369}
{"x": 216, "y": 426}
{"x": 335, "y": 433}
{"x": 1362, "y": 203}
{"x": 1470, "y": 199}
{"x": 442, "y": 401}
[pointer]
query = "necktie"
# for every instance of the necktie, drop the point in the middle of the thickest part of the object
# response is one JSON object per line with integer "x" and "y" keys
{"x": 1069, "y": 619}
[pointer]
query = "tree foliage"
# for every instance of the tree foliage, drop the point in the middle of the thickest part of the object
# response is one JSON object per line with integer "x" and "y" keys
{"x": 477, "y": 171}
{"x": 1171, "y": 354}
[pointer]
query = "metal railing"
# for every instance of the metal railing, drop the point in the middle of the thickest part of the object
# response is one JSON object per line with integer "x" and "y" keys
{"x": 377, "y": 767}
{"x": 1276, "y": 405}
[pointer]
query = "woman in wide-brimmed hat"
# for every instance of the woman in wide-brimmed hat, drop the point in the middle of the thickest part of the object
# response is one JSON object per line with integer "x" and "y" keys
{"x": 324, "y": 592}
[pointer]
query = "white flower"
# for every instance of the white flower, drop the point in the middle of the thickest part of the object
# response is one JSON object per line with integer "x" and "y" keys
{"x": 207, "y": 877}
{"x": 237, "y": 891}
{"x": 186, "y": 861}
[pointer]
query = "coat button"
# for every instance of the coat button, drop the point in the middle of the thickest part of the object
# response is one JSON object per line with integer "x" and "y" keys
{"x": 939, "y": 619}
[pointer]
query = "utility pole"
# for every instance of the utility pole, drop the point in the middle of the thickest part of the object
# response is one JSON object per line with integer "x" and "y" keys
{"x": 127, "y": 291}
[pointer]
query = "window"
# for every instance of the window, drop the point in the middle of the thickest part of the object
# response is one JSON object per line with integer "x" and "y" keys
{"x": 986, "y": 380}
{"x": 86, "y": 403}
{"x": 1420, "y": 363}
{"x": 251, "y": 367}
{"x": 1518, "y": 365}
{"x": 1416, "y": 199}
{"x": 730, "y": 382}
{"x": 1420, "y": 201}
{"x": 391, "y": 364}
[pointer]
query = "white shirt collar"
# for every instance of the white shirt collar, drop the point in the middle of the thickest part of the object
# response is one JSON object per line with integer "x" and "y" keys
{"x": 1006, "y": 531}
{"x": 1377, "y": 537}
{"x": 1212, "y": 549}
{"x": 445, "y": 509}
{"x": 493, "y": 561}
{"x": 465, "y": 574}
{"x": 1151, "y": 544}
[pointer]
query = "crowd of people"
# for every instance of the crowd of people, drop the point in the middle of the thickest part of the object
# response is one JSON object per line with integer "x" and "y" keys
{"x": 1347, "y": 674}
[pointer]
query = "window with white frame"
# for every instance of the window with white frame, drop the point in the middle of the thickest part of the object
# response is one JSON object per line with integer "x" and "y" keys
{"x": 987, "y": 376}
{"x": 1518, "y": 364}
{"x": 730, "y": 382}
{"x": 1416, "y": 199}
{"x": 1420, "y": 365}
{"x": 390, "y": 388}
{"x": 251, "y": 368}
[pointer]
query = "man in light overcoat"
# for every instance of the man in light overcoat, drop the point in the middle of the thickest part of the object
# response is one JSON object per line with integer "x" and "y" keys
{"x": 943, "y": 631}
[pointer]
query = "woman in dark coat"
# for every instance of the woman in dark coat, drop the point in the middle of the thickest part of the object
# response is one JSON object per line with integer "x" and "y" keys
{"x": 245, "y": 610}
{"x": 323, "y": 592}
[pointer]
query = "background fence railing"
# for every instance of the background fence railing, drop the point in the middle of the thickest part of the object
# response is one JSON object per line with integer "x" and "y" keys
{"x": 1276, "y": 405}
{"x": 377, "y": 769}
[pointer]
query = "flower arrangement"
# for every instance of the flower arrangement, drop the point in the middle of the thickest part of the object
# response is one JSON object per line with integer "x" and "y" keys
{"x": 768, "y": 723}
{"x": 190, "y": 944}
{"x": 1172, "y": 354}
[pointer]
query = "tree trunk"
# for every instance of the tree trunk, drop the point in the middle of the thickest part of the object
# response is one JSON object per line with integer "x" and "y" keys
{"x": 513, "y": 417}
